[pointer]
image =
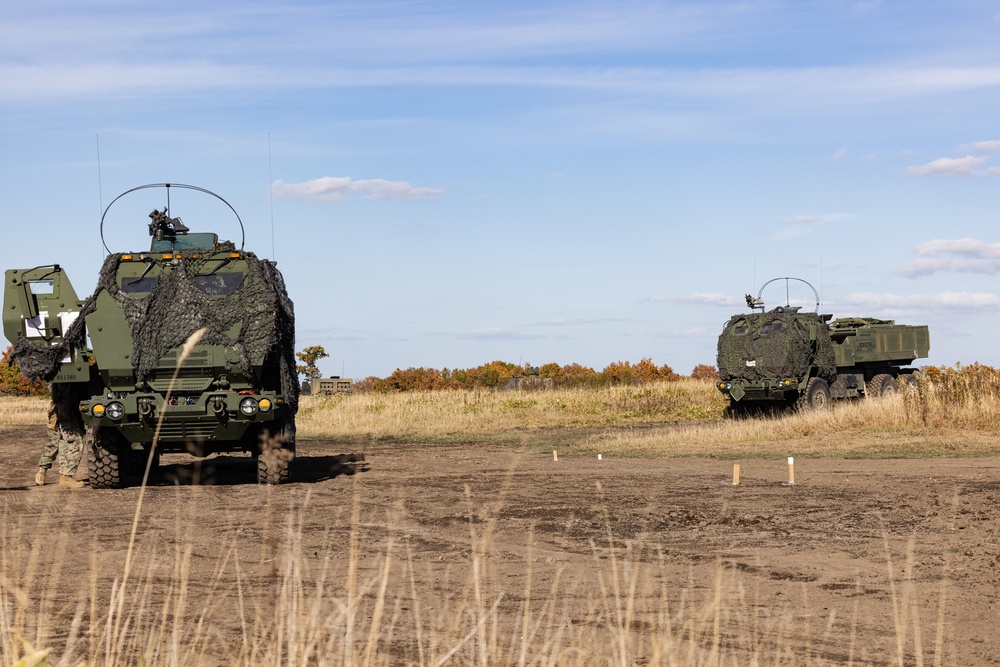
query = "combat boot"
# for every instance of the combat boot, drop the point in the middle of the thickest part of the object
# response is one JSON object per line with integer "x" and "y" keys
{"x": 40, "y": 477}
{"x": 69, "y": 482}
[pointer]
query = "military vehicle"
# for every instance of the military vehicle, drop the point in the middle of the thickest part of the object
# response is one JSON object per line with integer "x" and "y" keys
{"x": 237, "y": 390}
{"x": 785, "y": 358}
{"x": 331, "y": 385}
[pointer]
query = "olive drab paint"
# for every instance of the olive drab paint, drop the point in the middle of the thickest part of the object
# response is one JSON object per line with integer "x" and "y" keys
{"x": 236, "y": 392}
{"x": 785, "y": 358}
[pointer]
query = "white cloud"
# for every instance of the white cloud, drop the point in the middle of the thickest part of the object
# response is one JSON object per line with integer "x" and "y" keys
{"x": 892, "y": 305}
{"x": 954, "y": 255}
{"x": 967, "y": 246}
{"x": 950, "y": 166}
{"x": 335, "y": 188}
{"x": 496, "y": 333}
{"x": 839, "y": 155}
{"x": 788, "y": 88}
{"x": 815, "y": 219}
{"x": 699, "y": 299}
{"x": 797, "y": 226}
{"x": 562, "y": 322}
{"x": 987, "y": 146}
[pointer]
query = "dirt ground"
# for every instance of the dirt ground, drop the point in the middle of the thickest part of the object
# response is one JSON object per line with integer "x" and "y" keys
{"x": 859, "y": 560}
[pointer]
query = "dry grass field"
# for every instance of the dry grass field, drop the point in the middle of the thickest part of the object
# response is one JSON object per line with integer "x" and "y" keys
{"x": 458, "y": 540}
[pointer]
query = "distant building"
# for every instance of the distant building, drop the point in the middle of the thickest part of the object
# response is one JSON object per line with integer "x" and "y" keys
{"x": 332, "y": 385}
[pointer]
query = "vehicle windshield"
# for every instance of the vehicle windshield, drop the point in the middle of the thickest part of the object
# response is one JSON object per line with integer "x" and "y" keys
{"x": 216, "y": 284}
{"x": 219, "y": 284}
{"x": 773, "y": 327}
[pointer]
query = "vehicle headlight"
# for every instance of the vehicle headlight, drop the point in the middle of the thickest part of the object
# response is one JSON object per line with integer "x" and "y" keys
{"x": 264, "y": 405}
{"x": 116, "y": 410}
{"x": 98, "y": 410}
{"x": 248, "y": 406}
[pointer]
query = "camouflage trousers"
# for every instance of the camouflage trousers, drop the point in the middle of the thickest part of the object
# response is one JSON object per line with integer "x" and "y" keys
{"x": 67, "y": 446}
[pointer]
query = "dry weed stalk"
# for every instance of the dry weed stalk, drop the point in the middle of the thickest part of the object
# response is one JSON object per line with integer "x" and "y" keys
{"x": 335, "y": 604}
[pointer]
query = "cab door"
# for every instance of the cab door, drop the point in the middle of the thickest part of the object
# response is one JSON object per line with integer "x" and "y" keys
{"x": 40, "y": 305}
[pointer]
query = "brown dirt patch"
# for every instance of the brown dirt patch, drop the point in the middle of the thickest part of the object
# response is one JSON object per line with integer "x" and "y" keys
{"x": 856, "y": 560}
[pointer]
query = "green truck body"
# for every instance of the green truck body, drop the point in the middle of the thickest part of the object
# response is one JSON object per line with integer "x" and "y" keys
{"x": 236, "y": 390}
{"x": 784, "y": 358}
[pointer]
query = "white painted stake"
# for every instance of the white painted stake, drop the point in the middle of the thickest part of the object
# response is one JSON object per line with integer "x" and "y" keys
{"x": 598, "y": 457}
{"x": 736, "y": 474}
{"x": 791, "y": 470}
{"x": 555, "y": 455}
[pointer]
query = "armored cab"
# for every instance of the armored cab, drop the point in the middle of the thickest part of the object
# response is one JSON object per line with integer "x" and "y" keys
{"x": 236, "y": 389}
{"x": 786, "y": 358}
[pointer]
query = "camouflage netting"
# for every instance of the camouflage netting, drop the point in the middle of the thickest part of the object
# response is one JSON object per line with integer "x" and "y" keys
{"x": 776, "y": 352}
{"x": 176, "y": 308}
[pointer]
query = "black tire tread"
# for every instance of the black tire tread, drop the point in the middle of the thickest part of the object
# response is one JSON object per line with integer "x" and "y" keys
{"x": 882, "y": 384}
{"x": 807, "y": 399}
{"x": 103, "y": 465}
{"x": 277, "y": 454}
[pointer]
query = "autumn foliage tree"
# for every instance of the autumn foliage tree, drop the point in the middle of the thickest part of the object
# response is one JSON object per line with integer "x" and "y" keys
{"x": 498, "y": 374}
{"x": 705, "y": 372}
{"x": 12, "y": 383}
{"x": 413, "y": 379}
{"x": 570, "y": 375}
{"x": 624, "y": 372}
{"x": 309, "y": 358}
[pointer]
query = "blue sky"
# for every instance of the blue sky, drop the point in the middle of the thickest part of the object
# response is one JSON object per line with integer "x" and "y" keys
{"x": 447, "y": 183}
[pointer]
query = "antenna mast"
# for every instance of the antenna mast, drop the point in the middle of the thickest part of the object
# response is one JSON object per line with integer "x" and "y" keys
{"x": 270, "y": 192}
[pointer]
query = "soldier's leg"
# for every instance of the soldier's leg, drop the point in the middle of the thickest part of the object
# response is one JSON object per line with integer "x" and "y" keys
{"x": 49, "y": 454}
{"x": 71, "y": 451}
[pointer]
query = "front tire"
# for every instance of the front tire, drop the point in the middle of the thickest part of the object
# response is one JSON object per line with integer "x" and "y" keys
{"x": 816, "y": 396}
{"x": 103, "y": 462}
{"x": 276, "y": 454}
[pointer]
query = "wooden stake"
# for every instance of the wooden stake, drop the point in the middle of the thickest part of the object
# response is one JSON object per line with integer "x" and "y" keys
{"x": 736, "y": 474}
{"x": 555, "y": 455}
{"x": 791, "y": 470}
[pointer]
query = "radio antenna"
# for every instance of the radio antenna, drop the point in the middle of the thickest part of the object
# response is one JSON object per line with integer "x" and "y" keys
{"x": 821, "y": 279}
{"x": 100, "y": 186}
{"x": 270, "y": 193}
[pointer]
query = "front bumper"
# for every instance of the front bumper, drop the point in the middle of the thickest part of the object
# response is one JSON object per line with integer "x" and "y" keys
{"x": 213, "y": 418}
{"x": 759, "y": 391}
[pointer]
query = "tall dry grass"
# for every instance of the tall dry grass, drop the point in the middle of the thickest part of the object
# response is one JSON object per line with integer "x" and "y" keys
{"x": 18, "y": 411}
{"x": 444, "y": 414}
{"x": 953, "y": 411}
{"x": 303, "y": 600}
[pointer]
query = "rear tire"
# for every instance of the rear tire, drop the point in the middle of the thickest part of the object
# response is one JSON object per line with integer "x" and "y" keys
{"x": 815, "y": 397}
{"x": 277, "y": 453}
{"x": 882, "y": 384}
{"x": 103, "y": 464}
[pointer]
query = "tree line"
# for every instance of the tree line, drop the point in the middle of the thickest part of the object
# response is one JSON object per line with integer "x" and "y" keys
{"x": 493, "y": 375}
{"x": 500, "y": 374}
